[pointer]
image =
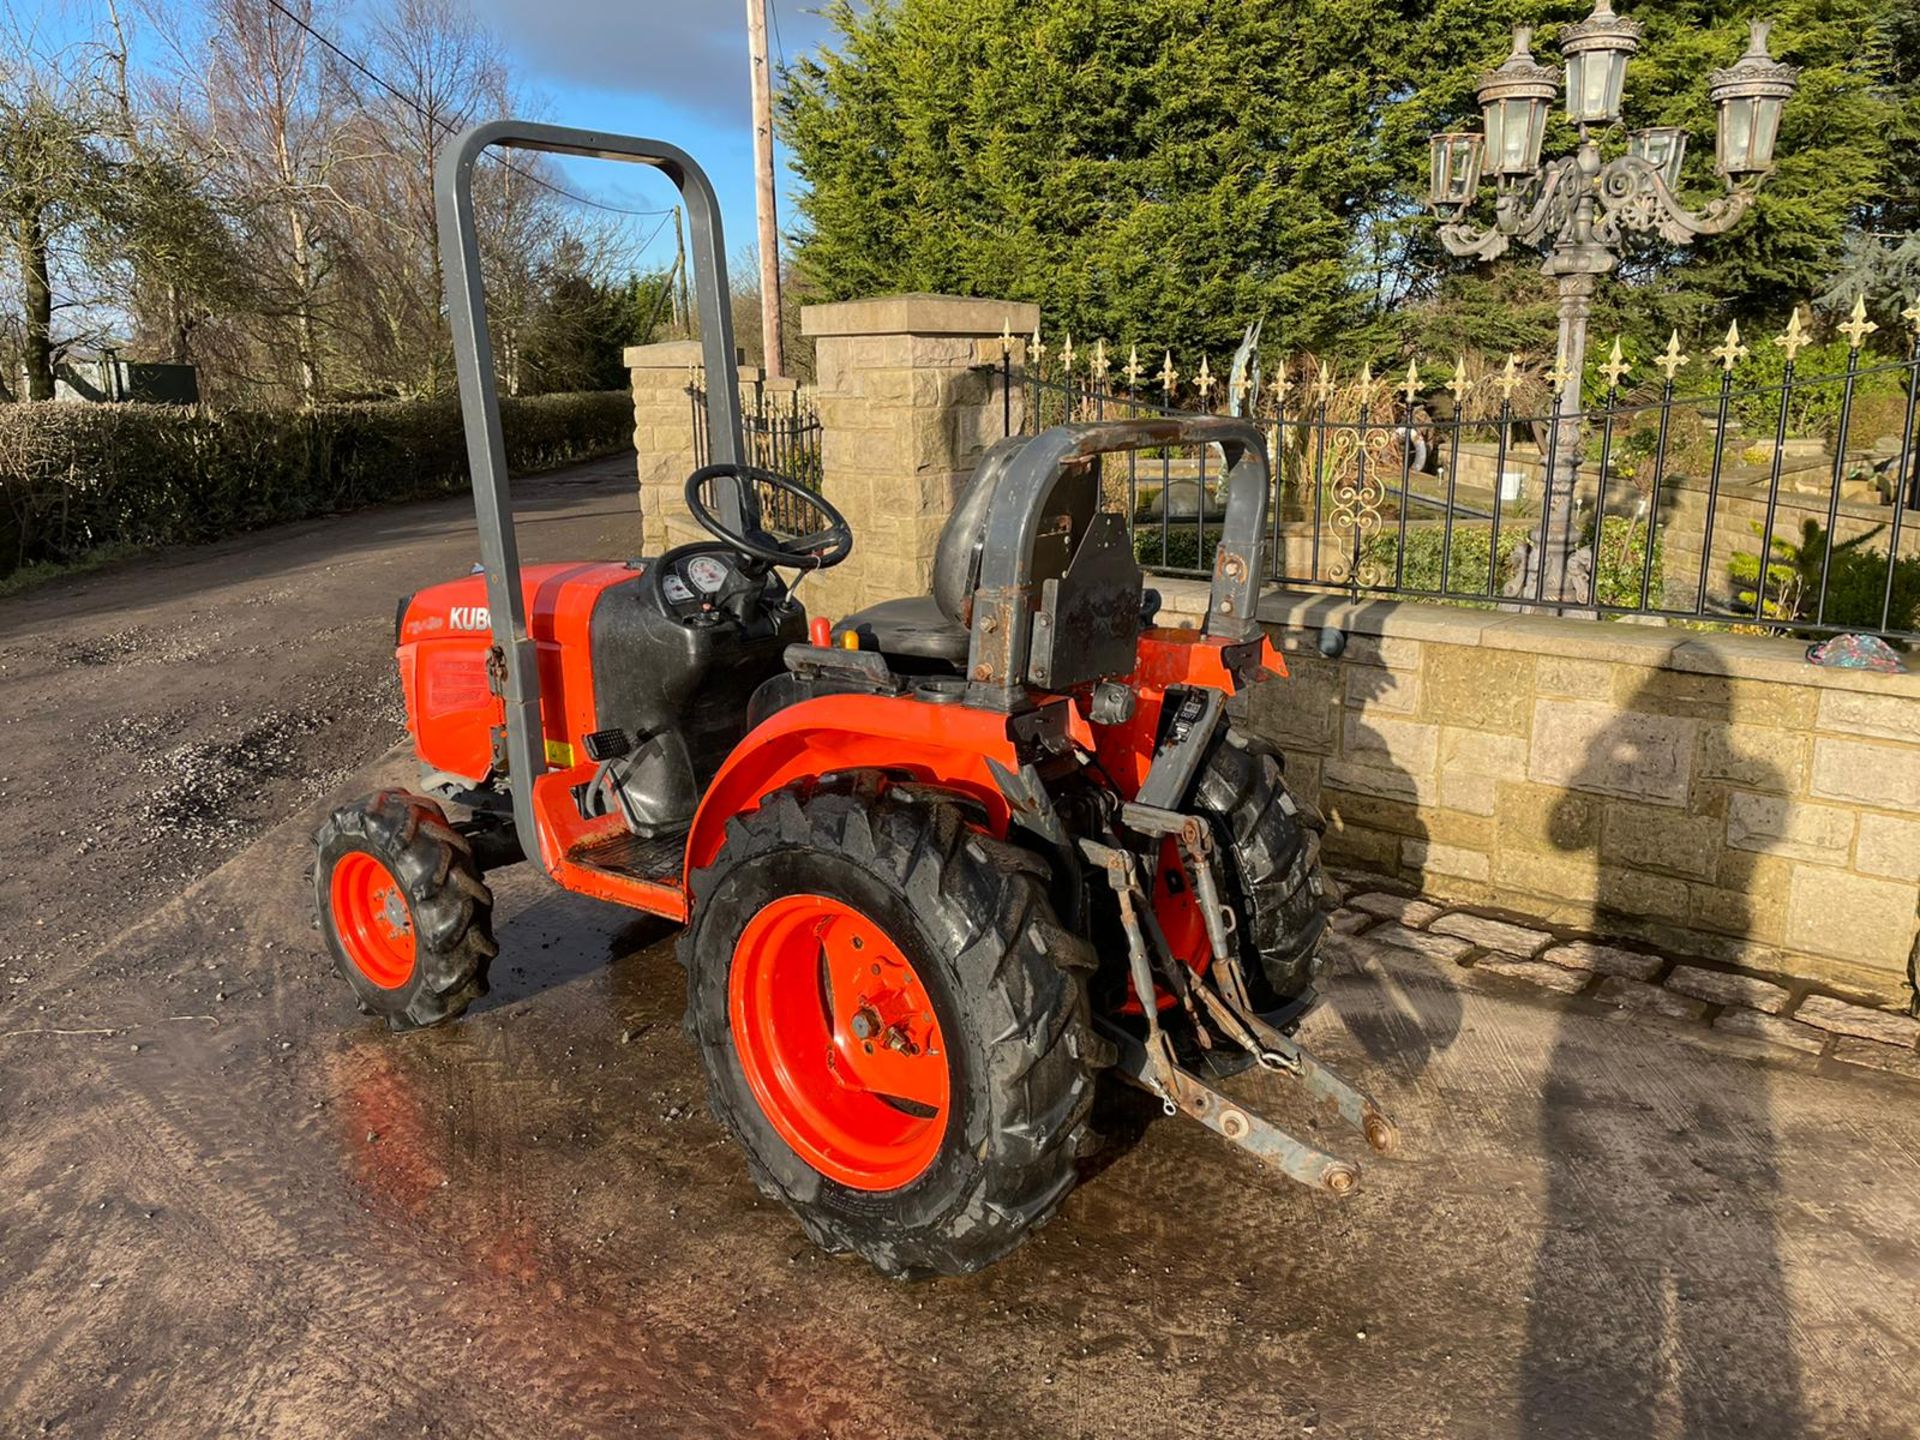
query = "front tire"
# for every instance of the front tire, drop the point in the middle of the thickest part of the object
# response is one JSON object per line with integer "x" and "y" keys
{"x": 403, "y": 909}
{"x": 938, "y": 1151}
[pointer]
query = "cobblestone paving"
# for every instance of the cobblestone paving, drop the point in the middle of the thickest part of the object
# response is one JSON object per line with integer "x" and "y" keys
{"x": 1782, "y": 1016}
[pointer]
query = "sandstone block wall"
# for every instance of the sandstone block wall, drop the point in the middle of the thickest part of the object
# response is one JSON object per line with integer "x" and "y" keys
{"x": 1712, "y": 794}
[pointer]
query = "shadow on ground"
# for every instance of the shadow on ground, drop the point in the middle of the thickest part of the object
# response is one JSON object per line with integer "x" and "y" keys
{"x": 246, "y": 1210}
{"x": 1619, "y": 1294}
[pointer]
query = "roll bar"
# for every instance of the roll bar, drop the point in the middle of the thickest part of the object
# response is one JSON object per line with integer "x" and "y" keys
{"x": 1004, "y": 604}
{"x": 480, "y": 399}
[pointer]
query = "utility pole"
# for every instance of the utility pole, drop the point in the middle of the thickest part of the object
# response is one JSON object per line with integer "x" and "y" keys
{"x": 774, "y": 352}
{"x": 677, "y": 281}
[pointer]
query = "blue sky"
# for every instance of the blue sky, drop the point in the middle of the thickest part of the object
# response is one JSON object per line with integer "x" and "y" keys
{"x": 669, "y": 69}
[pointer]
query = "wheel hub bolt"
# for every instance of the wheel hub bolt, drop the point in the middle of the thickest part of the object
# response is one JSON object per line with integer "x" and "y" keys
{"x": 865, "y": 1023}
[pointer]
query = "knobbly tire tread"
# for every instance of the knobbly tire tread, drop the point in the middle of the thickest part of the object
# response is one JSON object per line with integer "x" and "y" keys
{"x": 1269, "y": 846}
{"x": 1016, "y": 987}
{"x": 452, "y": 907}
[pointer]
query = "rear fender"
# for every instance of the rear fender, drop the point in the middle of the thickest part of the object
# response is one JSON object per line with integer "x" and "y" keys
{"x": 945, "y": 745}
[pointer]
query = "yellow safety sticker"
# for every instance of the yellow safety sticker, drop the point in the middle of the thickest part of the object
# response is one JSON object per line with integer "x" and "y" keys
{"x": 560, "y": 753}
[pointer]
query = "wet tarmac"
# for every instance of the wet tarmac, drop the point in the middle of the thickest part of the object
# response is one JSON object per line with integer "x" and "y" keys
{"x": 231, "y": 1206}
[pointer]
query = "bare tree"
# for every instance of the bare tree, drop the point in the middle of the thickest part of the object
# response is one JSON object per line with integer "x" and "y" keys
{"x": 439, "y": 71}
{"x": 262, "y": 106}
{"x": 182, "y": 262}
{"x": 261, "y": 204}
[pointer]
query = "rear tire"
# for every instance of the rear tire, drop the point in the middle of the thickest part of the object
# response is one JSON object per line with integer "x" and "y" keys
{"x": 1005, "y": 984}
{"x": 403, "y": 909}
{"x": 1269, "y": 846}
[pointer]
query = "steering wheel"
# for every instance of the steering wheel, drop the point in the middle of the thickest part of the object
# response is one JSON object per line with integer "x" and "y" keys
{"x": 816, "y": 550}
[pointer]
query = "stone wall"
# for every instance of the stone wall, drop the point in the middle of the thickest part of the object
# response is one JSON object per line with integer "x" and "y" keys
{"x": 1712, "y": 794}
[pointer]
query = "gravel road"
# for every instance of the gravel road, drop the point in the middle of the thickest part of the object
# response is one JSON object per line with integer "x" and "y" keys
{"x": 230, "y": 1206}
{"x": 161, "y": 714}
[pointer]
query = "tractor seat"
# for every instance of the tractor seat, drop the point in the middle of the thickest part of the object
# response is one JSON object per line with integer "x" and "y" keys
{"x": 913, "y": 626}
{"x": 936, "y": 629}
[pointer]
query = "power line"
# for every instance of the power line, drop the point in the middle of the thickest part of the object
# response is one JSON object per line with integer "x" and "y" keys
{"x": 420, "y": 110}
{"x": 773, "y": 14}
{"x": 647, "y": 243}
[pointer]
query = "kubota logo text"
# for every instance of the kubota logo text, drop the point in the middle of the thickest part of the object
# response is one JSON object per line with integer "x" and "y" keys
{"x": 469, "y": 617}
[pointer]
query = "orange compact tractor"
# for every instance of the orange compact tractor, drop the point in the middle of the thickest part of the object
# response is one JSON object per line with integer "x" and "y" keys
{"x": 940, "y": 864}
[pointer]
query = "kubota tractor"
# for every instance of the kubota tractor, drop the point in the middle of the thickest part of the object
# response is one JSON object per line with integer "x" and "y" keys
{"x": 940, "y": 864}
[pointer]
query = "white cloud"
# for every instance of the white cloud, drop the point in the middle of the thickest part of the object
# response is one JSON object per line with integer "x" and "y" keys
{"x": 690, "y": 52}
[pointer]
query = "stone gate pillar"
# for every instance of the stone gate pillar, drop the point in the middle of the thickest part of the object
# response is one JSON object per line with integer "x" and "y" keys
{"x": 910, "y": 398}
{"x": 663, "y": 439}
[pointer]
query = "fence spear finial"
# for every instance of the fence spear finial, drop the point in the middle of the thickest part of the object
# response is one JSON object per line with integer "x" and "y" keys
{"x": 1560, "y": 377}
{"x": 1168, "y": 377}
{"x": 1459, "y": 385}
{"x": 1036, "y": 351}
{"x": 1066, "y": 355}
{"x": 1098, "y": 366}
{"x": 1859, "y": 326}
{"x": 1912, "y": 315}
{"x": 1795, "y": 339}
{"x": 1132, "y": 372}
{"x": 1203, "y": 378}
{"x": 1732, "y": 352}
{"x": 1673, "y": 359}
{"x": 1006, "y": 336}
{"x": 1616, "y": 368}
{"x": 1280, "y": 387}
{"x": 1365, "y": 384}
{"x": 1510, "y": 377}
{"x": 1412, "y": 387}
{"x": 1326, "y": 382}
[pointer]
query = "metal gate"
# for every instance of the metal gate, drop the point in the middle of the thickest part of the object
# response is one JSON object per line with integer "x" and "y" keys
{"x": 780, "y": 429}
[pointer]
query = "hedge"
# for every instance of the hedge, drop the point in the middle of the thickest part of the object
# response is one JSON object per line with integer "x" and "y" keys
{"x": 77, "y": 477}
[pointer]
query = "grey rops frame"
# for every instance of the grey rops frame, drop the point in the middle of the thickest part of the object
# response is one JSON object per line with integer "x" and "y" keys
{"x": 1005, "y": 604}
{"x": 480, "y": 400}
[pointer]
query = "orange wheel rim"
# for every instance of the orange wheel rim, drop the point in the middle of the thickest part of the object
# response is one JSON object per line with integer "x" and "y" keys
{"x": 839, "y": 1041}
{"x": 372, "y": 919}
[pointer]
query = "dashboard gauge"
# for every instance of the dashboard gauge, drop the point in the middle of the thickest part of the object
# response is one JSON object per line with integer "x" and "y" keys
{"x": 676, "y": 588}
{"x": 707, "y": 572}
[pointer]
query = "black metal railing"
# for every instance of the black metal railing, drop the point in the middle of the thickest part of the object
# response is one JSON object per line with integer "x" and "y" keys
{"x": 780, "y": 427}
{"x": 1786, "y": 502}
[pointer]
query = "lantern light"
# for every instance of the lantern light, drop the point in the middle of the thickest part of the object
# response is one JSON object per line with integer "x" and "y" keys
{"x": 1663, "y": 147}
{"x": 1456, "y": 169}
{"x": 1597, "y": 50}
{"x": 1749, "y": 94}
{"x": 1514, "y": 100}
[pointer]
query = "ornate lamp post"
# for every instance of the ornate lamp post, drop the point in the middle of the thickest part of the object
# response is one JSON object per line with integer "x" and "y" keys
{"x": 1579, "y": 208}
